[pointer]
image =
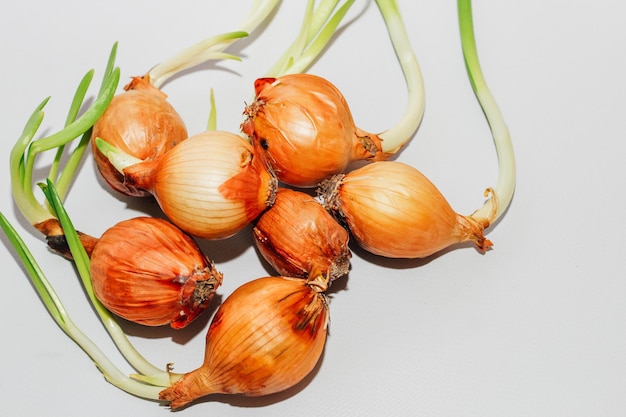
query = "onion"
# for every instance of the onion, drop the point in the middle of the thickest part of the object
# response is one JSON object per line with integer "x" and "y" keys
{"x": 140, "y": 122}
{"x": 393, "y": 210}
{"x": 211, "y": 185}
{"x": 264, "y": 338}
{"x": 148, "y": 271}
{"x": 302, "y": 125}
{"x": 299, "y": 238}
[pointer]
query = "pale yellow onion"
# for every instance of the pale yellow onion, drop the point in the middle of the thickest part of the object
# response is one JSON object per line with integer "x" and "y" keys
{"x": 265, "y": 337}
{"x": 393, "y": 210}
{"x": 211, "y": 185}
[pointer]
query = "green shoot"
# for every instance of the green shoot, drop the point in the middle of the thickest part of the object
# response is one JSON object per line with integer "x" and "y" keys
{"x": 82, "y": 261}
{"x": 503, "y": 193}
{"x": 212, "y": 121}
{"x": 193, "y": 56}
{"x": 211, "y": 48}
{"x": 397, "y": 136}
{"x": 317, "y": 29}
{"x": 119, "y": 159}
{"x": 26, "y": 149}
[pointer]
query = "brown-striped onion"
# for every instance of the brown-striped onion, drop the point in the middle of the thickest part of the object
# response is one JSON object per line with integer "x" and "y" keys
{"x": 264, "y": 338}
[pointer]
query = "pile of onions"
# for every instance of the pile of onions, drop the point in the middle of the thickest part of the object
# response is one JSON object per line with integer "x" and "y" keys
{"x": 393, "y": 210}
{"x": 140, "y": 122}
{"x": 270, "y": 332}
{"x": 148, "y": 271}
{"x": 299, "y": 238}
{"x": 303, "y": 127}
{"x": 211, "y": 185}
{"x": 265, "y": 338}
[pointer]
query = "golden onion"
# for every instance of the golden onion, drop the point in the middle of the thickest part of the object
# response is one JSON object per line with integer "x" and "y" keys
{"x": 393, "y": 210}
{"x": 265, "y": 338}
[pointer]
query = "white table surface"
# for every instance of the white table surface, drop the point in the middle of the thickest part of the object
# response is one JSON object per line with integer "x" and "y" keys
{"x": 535, "y": 327}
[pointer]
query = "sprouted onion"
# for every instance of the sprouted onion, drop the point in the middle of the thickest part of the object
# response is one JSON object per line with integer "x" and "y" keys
{"x": 141, "y": 121}
{"x": 302, "y": 125}
{"x": 268, "y": 375}
{"x": 146, "y": 371}
{"x": 393, "y": 210}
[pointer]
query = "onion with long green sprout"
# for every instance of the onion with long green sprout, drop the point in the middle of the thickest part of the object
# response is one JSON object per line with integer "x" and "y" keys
{"x": 393, "y": 210}
{"x": 148, "y": 373}
{"x": 61, "y": 316}
{"x": 303, "y": 126}
{"x": 49, "y": 217}
{"x": 142, "y": 122}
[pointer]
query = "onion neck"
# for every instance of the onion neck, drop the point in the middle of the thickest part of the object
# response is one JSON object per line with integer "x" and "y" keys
{"x": 398, "y": 135}
{"x": 368, "y": 147}
{"x": 192, "y": 385}
{"x": 141, "y": 175}
{"x": 471, "y": 229}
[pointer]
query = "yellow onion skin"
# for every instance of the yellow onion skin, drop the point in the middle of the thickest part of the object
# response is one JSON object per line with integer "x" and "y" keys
{"x": 298, "y": 237}
{"x": 265, "y": 338}
{"x": 139, "y": 122}
{"x": 303, "y": 126}
{"x": 148, "y": 271}
{"x": 393, "y": 210}
{"x": 211, "y": 185}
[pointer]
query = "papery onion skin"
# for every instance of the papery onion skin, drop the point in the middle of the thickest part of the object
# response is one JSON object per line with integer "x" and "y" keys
{"x": 393, "y": 210}
{"x": 298, "y": 237}
{"x": 211, "y": 185}
{"x": 55, "y": 238}
{"x": 139, "y": 122}
{"x": 303, "y": 126}
{"x": 265, "y": 338}
{"x": 148, "y": 271}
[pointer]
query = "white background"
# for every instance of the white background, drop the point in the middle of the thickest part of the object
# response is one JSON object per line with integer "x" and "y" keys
{"x": 535, "y": 327}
